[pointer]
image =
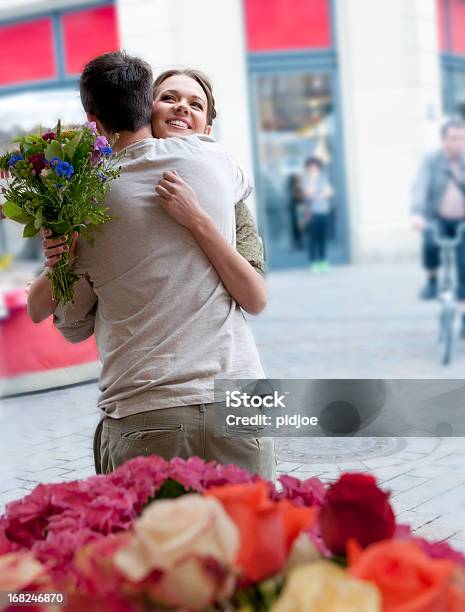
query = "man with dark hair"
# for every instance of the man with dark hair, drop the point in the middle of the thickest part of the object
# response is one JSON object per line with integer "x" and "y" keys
{"x": 438, "y": 195}
{"x": 117, "y": 89}
{"x": 164, "y": 323}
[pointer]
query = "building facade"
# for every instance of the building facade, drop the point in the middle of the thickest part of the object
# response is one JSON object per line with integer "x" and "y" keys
{"x": 361, "y": 84}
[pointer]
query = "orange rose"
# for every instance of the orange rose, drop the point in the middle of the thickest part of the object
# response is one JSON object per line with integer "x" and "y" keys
{"x": 408, "y": 580}
{"x": 267, "y": 528}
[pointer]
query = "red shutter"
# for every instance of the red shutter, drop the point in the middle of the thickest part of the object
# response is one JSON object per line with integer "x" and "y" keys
{"x": 277, "y": 25}
{"x": 88, "y": 33}
{"x": 27, "y": 52}
{"x": 441, "y": 14}
{"x": 457, "y": 26}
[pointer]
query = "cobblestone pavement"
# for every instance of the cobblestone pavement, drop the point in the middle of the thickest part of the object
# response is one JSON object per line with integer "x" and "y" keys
{"x": 358, "y": 322}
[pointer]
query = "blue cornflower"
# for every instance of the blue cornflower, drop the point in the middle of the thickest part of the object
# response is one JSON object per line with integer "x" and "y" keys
{"x": 106, "y": 151}
{"x": 14, "y": 158}
{"x": 62, "y": 168}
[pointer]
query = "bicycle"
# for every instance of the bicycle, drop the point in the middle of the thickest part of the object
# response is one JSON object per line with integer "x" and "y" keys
{"x": 447, "y": 286}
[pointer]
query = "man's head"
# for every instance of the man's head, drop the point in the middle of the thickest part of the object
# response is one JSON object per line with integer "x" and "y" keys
{"x": 183, "y": 104}
{"x": 116, "y": 91}
{"x": 453, "y": 138}
{"x": 313, "y": 165}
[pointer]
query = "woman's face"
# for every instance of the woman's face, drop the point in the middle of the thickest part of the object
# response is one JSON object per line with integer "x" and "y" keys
{"x": 179, "y": 108}
{"x": 313, "y": 169}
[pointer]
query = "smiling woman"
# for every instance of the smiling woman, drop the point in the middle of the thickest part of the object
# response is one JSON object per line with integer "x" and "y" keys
{"x": 180, "y": 108}
{"x": 184, "y": 105}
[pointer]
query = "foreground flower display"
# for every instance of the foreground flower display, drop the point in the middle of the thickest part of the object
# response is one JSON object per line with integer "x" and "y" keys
{"x": 190, "y": 535}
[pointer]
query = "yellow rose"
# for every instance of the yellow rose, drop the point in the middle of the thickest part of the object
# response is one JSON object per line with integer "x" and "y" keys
{"x": 193, "y": 541}
{"x": 322, "y": 586}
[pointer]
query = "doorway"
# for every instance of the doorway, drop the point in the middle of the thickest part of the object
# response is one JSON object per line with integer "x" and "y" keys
{"x": 296, "y": 117}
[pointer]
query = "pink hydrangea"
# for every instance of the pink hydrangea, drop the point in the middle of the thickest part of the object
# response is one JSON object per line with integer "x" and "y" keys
{"x": 434, "y": 550}
{"x": 302, "y": 493}
{"x": 55, "y": 520}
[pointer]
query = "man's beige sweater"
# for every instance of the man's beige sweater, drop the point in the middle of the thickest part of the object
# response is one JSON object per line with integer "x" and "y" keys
{"x": 164, "y": 324}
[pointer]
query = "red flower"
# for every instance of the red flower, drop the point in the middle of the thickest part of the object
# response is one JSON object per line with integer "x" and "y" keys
{"x": 49, "y": 136}
{"x": 354, "y": 507}
{"x": 38, "y": 162}
{"x": 267, "y": 528}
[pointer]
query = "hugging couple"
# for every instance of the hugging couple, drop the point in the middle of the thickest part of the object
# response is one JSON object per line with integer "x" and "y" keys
{"x": 163, "y": 286}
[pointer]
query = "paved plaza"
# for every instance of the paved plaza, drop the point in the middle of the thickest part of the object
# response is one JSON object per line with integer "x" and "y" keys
{"x": 357, "y": 322}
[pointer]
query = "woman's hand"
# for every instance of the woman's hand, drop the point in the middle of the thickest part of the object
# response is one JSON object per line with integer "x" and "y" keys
{"x": 179, "y": 200}
{"x": 53, "y": 248}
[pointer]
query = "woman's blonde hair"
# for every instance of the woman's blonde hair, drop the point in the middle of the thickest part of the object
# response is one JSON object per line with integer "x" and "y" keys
{"x": 201, "y": 79}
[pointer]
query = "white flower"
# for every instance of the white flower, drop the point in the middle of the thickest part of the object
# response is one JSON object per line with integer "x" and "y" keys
{"x": 193, "y": 541}
{"x": 18, "y": 569}
{"x": 44, "y": 172}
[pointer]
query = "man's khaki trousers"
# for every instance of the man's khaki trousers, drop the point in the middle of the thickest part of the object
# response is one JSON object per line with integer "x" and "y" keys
{"x": 183, "y": 432}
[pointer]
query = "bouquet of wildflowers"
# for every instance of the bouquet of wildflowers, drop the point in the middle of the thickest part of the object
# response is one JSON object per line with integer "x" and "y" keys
{"x": 58, "y": 181}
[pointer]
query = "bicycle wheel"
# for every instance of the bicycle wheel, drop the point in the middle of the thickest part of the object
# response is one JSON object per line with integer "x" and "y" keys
{"x": 446, "y": 335}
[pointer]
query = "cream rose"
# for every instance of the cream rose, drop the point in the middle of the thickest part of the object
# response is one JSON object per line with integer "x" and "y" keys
{"x": 303, "y": 551}
{"x": 18, "y": 570}
{"x": 193, "y": 541}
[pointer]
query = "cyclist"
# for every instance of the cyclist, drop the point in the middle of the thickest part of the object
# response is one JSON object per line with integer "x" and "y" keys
{"x": 439, "y": 195}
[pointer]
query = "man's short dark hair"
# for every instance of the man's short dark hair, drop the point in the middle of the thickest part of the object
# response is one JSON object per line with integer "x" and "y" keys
{"x": 117, "y": 89}
{"x": 455, "y": 122}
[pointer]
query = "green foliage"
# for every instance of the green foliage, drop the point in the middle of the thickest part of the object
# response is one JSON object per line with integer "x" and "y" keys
{"x": 54, "y": 149}
{"x": 4, "y": 161}
{"x": 171, "y": 489}
{"x": 16, "y": 213}
{"x": 70, "y": 147}
{"x": 30, "y": 230}
{"x": 59, "y": 197}
{"x": 30, "y": 144}
{"x": 258, "y": 597}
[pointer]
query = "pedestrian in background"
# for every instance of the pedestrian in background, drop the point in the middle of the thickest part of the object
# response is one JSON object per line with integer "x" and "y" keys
{"x": 297, "y": 211}
{"x": 318, "y": 193}
{"x": 438, "y": 196}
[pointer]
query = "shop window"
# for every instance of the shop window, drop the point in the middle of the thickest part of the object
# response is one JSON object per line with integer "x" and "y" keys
{"x": 86, "y": 34}
{"x": 278, "y": 27}
{"x": 27, "y": 51}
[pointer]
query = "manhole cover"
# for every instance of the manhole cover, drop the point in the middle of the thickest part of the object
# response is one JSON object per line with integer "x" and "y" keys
{"x": 335, "y": 450}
